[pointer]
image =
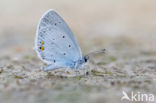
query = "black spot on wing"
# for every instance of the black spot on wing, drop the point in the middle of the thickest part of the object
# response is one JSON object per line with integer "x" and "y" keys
{"x": 44, "y": 31}
{"x": 69, "y": 46}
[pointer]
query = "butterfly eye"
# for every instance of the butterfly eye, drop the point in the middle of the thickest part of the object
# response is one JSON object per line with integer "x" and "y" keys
{"x": 63, "y": 36}
{"x": 85, "y": 59}
{"x": 54, "y": 61}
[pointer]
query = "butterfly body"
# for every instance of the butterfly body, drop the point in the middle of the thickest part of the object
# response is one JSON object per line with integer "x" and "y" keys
{"x": 72, "y": 65}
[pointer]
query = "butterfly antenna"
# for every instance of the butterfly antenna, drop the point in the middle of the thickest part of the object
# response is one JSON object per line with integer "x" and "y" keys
{"x": 96, "y": 52}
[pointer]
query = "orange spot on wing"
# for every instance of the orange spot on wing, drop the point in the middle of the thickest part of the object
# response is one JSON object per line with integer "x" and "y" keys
{"x": 42, "y": 42}
{"x": 42, "y": 48}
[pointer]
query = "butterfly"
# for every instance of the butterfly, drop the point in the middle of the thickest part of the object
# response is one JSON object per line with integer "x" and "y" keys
{"x": 56, "y": 45}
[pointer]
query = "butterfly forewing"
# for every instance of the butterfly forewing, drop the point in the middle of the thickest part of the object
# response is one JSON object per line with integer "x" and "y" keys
{"x": 55, "y": 41}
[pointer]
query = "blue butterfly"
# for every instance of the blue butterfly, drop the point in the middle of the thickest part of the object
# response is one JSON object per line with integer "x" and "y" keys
{"x": 56, "y": 45}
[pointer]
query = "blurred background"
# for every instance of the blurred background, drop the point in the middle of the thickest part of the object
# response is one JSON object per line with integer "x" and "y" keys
{"x": 89, "y": 20}
{"x": 127, "y": 28}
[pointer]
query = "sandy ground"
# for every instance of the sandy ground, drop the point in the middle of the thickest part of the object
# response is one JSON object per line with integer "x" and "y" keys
{"x": 125, "y": 28}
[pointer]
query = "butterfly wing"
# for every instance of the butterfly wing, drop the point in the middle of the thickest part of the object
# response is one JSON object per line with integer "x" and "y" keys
{"x": 55, "y": 42}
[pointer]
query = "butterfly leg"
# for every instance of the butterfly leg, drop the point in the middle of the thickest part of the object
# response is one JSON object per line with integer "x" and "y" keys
{"x": 85, "y": 70}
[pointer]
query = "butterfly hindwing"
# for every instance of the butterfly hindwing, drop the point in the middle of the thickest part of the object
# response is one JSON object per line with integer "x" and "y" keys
{"x": 55, "y": 42}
